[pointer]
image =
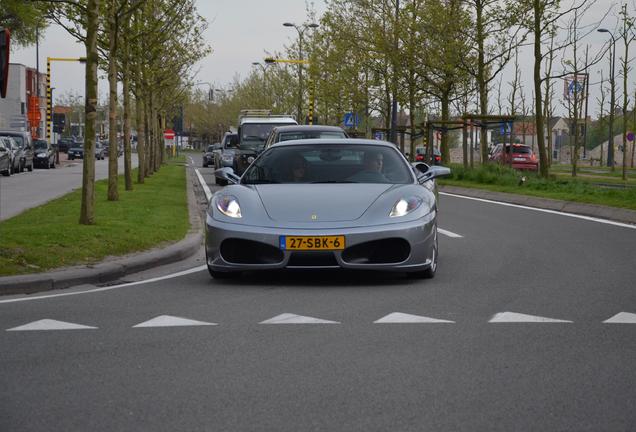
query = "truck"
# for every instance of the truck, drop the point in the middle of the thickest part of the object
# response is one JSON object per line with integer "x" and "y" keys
{"x": 254, "y": 126}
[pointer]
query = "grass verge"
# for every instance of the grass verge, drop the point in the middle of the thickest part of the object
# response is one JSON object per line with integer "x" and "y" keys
{"x": 50, "y": 236}
{"x": 499, "y": 178}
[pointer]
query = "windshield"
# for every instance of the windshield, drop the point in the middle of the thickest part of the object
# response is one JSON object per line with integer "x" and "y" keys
{"x": 210, "y": 149}
{"x": 519, "y": 149}
{"x": 329, "y": 163}
{"x": 18, "y": 140}
{"x": 41, "y": 145}
{"x": 288, "y": 136}
{"x": 253, "y": 135}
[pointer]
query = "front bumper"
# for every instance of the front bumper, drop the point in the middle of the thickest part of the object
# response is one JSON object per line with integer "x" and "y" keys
{"x": 420, "y": 235}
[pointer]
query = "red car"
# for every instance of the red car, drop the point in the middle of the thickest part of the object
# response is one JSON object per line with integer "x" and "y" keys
{"x": 521, "y": 157}
{"x": 420, "y": 155}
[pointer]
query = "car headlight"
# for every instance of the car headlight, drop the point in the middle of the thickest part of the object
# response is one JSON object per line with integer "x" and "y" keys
{"x": 229, "y": 206}
{"x": 405, "y": 206}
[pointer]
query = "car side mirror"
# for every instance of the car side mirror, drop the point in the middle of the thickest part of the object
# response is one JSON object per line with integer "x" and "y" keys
{"x": 432, "y": 172}
{"x": 227, "y": 173}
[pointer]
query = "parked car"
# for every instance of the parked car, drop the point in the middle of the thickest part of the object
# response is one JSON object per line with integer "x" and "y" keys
{"x": 25, "y": 146}
{"x": 520, "y": 157}
{"x": 100, "y": 152}
{"x": 63, "y": 144}
{"x": 76, "y": 152}
{"x": 14, "y": 154}
{"x": 208, "y": 154}
{"x": 335, "y": 203}
{"x": 44, "y": 154}
{"x": 420, "y": 155}
{"x": 5, "y": 157}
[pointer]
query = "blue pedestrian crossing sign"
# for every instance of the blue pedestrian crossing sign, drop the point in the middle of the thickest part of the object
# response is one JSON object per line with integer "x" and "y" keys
{"x": 351, "y": 120}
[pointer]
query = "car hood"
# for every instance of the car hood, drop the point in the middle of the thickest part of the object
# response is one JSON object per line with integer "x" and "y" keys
{"x": 76, "y": 149}
{"x": 319, "y": 202}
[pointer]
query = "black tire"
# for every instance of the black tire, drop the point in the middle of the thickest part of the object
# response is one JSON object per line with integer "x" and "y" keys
{"x": 223, "y": 275}
{"x": 6, "y": 172}
{"x": 21, "y": 167}
{"x": 429, "y": 273}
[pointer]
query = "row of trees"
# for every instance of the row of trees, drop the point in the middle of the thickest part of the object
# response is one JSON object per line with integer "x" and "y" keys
{"x": 444, "y": 58}
{"x": 149, "y": 47}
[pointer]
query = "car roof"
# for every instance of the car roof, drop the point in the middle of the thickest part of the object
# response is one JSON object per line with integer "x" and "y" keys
{"x": 302, "y": 128}
{"x": 279, "y": 120}
{"x": 331, "y": 141}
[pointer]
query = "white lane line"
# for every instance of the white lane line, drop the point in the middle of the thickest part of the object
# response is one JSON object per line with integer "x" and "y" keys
{"x": 556, "y": 212}
{"x": 513, "y": 317}
{"x": 204, "y": 185}
{"x": 288, "y": 318}
{"x": 172, "y": 321}
{"x": 90, "y": 291}
{"x": 403, "y": 318}
{"x": 448, "y": 233}
{"x": 49, "y": 324}
{"x": 622, "y": 318}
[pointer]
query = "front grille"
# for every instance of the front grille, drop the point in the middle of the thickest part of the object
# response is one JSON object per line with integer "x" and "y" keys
{"x": 240, "y": 251}
{"x": 312, "y": 259}
{"x": 385, "y": 251}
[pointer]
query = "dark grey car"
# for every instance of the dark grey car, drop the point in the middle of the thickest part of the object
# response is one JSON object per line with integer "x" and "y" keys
{"x": 298, "y": 132}
{"x": 44, "y": 154}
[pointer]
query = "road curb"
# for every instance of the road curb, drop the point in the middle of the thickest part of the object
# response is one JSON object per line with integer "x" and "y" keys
{"x": 114, "y": 268}
{"x": 598, "y": 211}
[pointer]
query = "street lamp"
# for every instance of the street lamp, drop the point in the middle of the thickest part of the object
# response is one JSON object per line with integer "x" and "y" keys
{"x": 610, "y": 143}
{"x": 301, "y": 33}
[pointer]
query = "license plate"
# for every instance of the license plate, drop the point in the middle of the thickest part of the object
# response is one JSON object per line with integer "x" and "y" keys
{"x": 519, "y": 159}
{"x": 312, "y": 242}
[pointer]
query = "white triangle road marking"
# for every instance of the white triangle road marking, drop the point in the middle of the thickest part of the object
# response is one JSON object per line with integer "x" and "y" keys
{"x": 49, "y": 324}
{"x": 289, "y": 318}
{"x": 403, "y": 318}
{"x": 622, "y": 318}
{"x": 513, "y": 317}
{"x": 172, "y": 321}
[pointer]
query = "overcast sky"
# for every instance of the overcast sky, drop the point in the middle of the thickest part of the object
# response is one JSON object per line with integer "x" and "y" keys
{"x": 241, "y": 31}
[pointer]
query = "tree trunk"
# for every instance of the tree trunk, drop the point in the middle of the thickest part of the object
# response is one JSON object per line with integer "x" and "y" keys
{"x": 87, "y": 212}
{"x": 141, "y": 141}
{"x": 150, "y": 161}
{"x": 543, "y": 160}
{"x": 126, "y": 91}
{"x": 482, "y": 85}
{"x": 113, "y": 193}
{"x": 445, "y": 100}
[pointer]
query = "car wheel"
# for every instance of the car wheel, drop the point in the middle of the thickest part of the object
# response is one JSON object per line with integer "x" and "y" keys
{"x": 429, "y": 273}
{"x": 223, "y": 275}
{"x": 6, "y": 172}
{"x": 21, "y": 167}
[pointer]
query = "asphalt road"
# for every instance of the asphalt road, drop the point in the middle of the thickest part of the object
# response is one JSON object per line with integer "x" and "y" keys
{"x": 350, "y": 373}
{"x": 31, "y": 189}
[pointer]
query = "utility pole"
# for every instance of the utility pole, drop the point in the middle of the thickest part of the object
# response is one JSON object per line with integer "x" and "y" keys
{"x": 393, "y": 132}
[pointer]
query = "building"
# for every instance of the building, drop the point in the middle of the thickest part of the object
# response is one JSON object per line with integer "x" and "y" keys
{"x": 23, "y": 109}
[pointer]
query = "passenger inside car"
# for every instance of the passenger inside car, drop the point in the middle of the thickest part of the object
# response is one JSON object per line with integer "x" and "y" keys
{"x": 372, "y": 172}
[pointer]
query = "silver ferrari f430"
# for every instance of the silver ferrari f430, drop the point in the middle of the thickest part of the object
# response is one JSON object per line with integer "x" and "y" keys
{"x": 328, "y": 203}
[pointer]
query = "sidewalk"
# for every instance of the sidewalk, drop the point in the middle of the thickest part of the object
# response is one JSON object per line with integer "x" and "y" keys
{"x": 116, "y": 267}
{"x": 592, "y": 210}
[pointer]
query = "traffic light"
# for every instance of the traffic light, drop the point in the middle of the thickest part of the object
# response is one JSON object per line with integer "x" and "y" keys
{"x": 5, "y": 38}
{"x": 59, "y": 122}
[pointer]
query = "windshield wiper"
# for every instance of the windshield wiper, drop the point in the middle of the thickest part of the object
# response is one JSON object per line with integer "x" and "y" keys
{"x": 335, "y": 181}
